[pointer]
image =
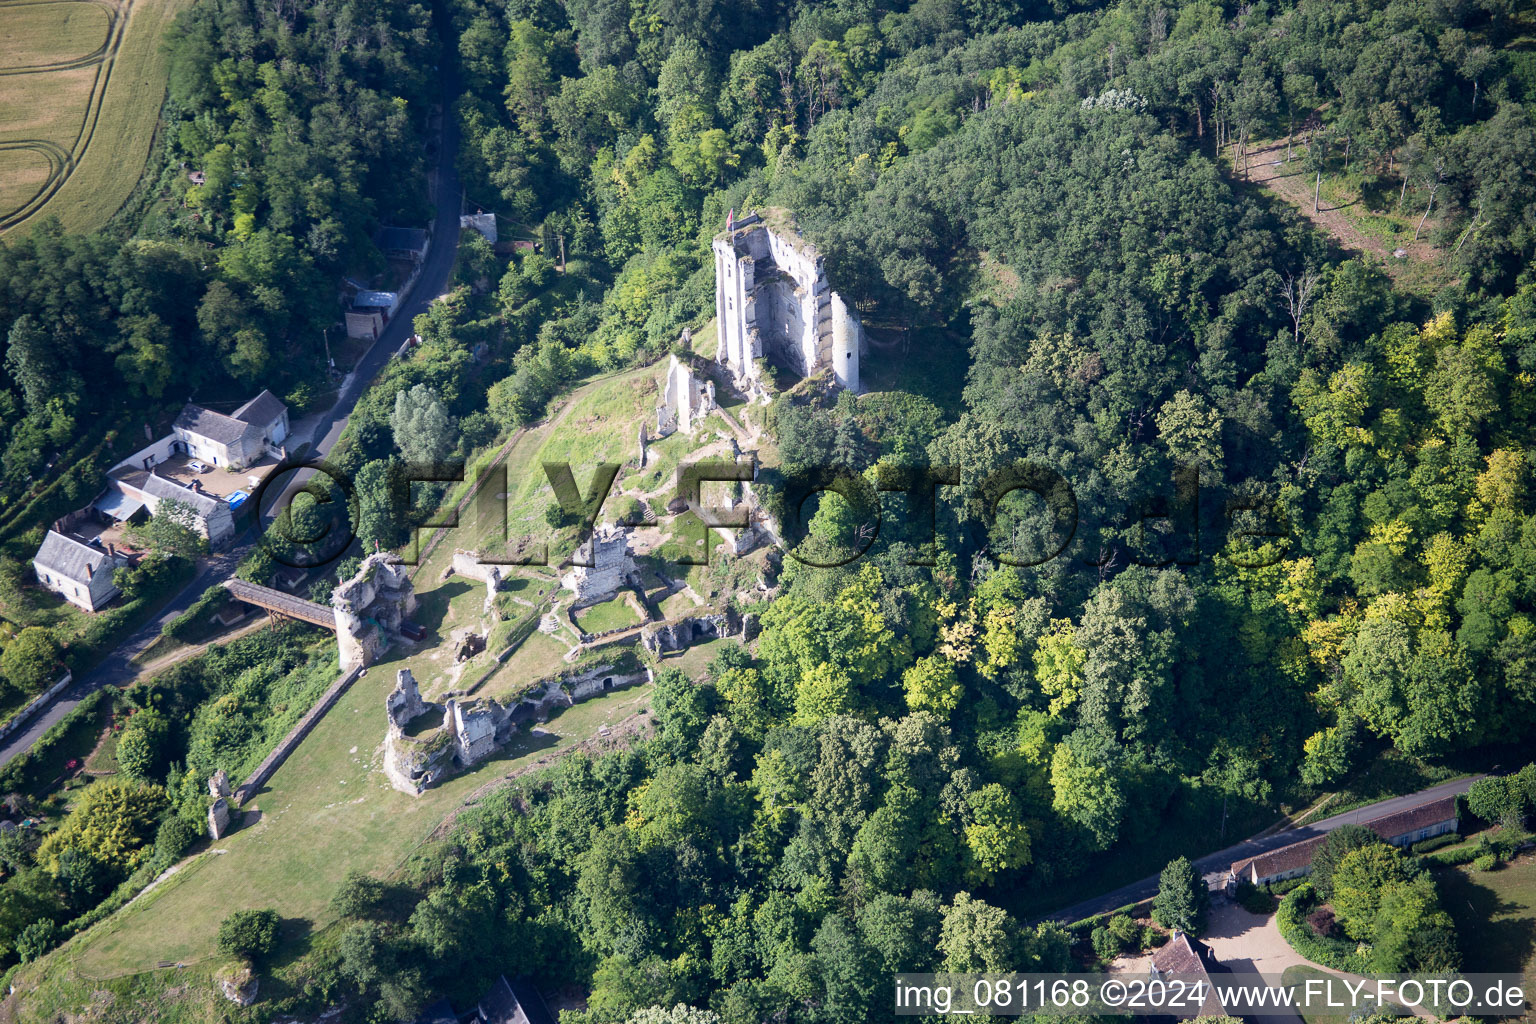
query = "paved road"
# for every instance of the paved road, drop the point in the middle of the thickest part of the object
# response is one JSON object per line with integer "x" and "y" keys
{"x": 1215, "y": 865}
{"x": 319, "y": 434}
{"x": 117, "y": 669}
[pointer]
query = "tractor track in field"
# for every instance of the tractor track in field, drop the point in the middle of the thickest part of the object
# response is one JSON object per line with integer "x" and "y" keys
{"x": 63, "y": 161}
{"x": 96, "y": 56}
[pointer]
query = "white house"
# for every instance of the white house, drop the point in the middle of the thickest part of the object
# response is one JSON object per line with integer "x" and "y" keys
{"x": 236, "y": 440}
{"x": 78, "y": 572}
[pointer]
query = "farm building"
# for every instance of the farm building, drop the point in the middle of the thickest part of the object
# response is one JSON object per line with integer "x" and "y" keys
{"x": 1400, "y": 829}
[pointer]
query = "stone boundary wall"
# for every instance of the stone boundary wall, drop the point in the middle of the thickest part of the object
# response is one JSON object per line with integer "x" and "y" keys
{"x": 301, "y": 729}
{"x": 36, "y": 705}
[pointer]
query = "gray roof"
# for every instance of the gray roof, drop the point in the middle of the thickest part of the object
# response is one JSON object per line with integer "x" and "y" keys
{"x": 119, "y": 504}
{"x": 166, "y": 489}
{"x": 215, "y": 426}
{"x": 514, "y": 1003}
{"x": 262, "y": 410}
{"x": 68, "y": 557}
{"x": 373, "y": 300}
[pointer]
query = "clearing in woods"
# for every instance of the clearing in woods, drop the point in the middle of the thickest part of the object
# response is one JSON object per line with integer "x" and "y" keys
{"x": 81, "y": 84}
{"x": 1378, "y": 226}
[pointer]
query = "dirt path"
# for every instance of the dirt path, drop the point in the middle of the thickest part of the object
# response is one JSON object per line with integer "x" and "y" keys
{"x": 1288, "y": 179}
{"x": 151, "y": 668}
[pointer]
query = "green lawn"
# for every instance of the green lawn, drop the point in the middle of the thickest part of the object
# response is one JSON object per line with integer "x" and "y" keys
{"x": 677, "y": 605}
{"x": 1495, "y": 913}
{"x": 1296, "y": 977}
{"x": 614, "y": 614}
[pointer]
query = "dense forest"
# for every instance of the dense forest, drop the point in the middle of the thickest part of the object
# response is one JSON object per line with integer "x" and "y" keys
{"x": 1304, "y": 543}
{"x": 1302, "y": 490}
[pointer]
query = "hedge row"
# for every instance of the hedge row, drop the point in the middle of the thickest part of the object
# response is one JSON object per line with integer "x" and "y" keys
{"x": 1501, "y": 844}
{"x": 1436, "y": 843}
{"x": 1292, "y": 921}
{"x": 188, "y": 622}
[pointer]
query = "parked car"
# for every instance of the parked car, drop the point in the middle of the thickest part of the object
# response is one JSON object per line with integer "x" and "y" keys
{"x": 197, "y": 467}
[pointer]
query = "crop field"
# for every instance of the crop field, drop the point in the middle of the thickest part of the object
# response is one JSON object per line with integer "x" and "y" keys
{"x": 81, "y": 83}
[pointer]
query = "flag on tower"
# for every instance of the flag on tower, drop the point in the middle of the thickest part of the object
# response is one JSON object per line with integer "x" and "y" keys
{"x": 729, "y": 218}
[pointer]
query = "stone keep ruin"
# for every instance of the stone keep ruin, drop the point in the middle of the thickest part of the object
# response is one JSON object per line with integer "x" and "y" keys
{"x": 427, "y": 741}
{"x": 370, "y": 607}
{"x": 612, "y": 567}
{"x": 772, "y": 300}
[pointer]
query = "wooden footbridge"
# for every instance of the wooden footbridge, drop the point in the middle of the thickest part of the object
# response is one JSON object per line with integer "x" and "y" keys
{"x": 278, "y": 603}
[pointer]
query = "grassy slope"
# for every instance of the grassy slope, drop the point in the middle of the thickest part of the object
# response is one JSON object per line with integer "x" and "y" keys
{"x": 328, "y": 810}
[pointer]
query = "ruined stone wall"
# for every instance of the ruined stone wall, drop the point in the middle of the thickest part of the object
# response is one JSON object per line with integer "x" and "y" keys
{"x": 610, "y": 571}
{"x": 473, "y": 730}
{"x": 290, "y": 743}
{"x": 370, "y": 607}
{"x": 680, "y": 634}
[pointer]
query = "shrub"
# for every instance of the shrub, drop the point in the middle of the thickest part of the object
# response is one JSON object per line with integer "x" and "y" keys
{"x": 249, "y": 934}
{"x": 36, "y": 939}
{"x": 1499, "y": 801}
{"x": 1452, "y": 858}
{"x": 1253, "y": 899}
{"x": 1323, "y": 923}
{"x": 1487, "y": 862}
{"x": 359, "y": 895}
{"x": 114, "y": 821}
{"x": 1435, "y": 843}
{"x": 1124, "y": 930}
{"x": 175, "y": 837}
{"x": 1291, "y": 918}
{"x": 190, "y": 621}
{"x": 1284, "y": 886}
{"x": 1105, "y": 945}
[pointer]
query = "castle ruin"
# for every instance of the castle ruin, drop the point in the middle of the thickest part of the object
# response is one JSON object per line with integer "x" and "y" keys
{"x": 370, "y": 607}
{"x": 427, "y": 741}
{"x": 218, "y": 811}
{"x": 685, "y": 400}
{"x": 611, "y": 567}
{"x": 772, "y": 300}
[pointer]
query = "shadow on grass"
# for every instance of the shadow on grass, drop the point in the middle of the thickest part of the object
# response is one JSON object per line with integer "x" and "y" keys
{"x": 1489, "y": 942}
{"x": 432, "y": 607}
